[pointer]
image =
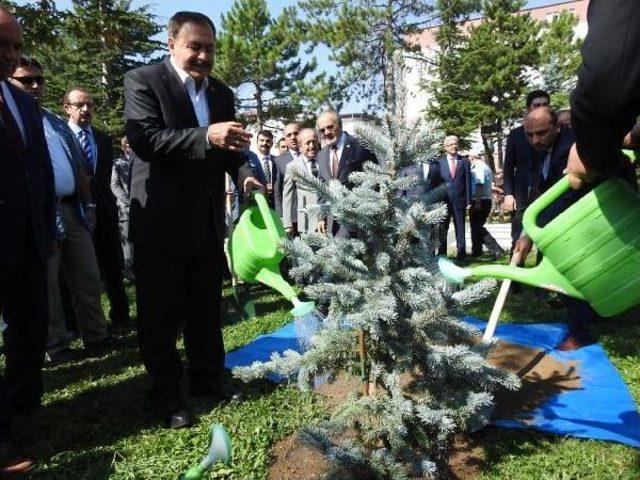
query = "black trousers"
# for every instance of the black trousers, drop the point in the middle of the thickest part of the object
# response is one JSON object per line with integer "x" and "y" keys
{"x": 171, "y": 289}
{"x": 25, "y": 308}
{"x": 458, "y": 215}
{"x": 479, "y": 235}
{"x": 106, "y": 240}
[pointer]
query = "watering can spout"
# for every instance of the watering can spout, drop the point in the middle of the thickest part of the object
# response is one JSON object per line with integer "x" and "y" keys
{"x": 274, "y": 279}
{"x": 543, "y": 276}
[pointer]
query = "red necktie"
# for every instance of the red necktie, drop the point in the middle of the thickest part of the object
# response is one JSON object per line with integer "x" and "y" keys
{"x": 334, "y": 161}
{"x": 13, "y": 131}
{"x": 452, "y": 167}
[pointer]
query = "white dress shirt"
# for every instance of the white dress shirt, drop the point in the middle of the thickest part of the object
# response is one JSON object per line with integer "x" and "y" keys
{"x": 13, "y": 108}
{"x": 198, "y": 97}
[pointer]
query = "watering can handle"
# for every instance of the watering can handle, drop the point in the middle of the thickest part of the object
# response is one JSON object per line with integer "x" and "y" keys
{"x": 547, "y": 198}
{"x": 265, "y": 211}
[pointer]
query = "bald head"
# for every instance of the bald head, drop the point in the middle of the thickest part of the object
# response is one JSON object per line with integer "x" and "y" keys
{"x": 330, "y": 126}
{"x": 10, "y": 43}
{"x": 542, "y": 128}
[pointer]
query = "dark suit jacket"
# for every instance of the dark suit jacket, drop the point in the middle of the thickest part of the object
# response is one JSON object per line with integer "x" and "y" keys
{"x": 26, "y": 192}
{"x": 255, "y": 162}
{"x": 281, "y": 162}
{"x": 106, "y": 207}
{"x": 558, "y": 163}
{"x": 182, "y": 196}
{"x": 606, "y": 100}
{"x": 518, "y": 166}
{"x": 352, "y": 158}
{"x": 458, "y": 187}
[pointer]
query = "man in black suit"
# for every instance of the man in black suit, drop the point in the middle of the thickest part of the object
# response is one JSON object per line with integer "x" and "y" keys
{"x": 552, "y": 143}
{"x": 518, "y": 166}
{"x": 606, "y": 101}
{"x": 341, "y": 155}
{"x": 27, "y": 216}
{"x": 453, "y": 170}
{"x": 291, "y": 131}
{"x": 98, "y": 152}
{"x": 180, "y": 122}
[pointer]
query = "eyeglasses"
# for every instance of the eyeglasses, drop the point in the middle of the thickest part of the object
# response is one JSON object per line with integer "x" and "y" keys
{"x": 28, "y": 81}
{"x": 79, "y": 105}
{"x": 331, "y": 126}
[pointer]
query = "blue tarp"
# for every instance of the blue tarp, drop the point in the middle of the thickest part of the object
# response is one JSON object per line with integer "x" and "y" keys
{"x": 601, "y": 409}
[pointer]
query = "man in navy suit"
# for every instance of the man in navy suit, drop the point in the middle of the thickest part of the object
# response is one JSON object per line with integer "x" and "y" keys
{"x": 453, "y": 170}
{"x": 341, "y": 155}
{"x": 263, "y": 164}
{"x": 27, "y": 216}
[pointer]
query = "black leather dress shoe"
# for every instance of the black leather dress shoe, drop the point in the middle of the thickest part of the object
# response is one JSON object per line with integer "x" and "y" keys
{"x": 179, "y": 419}
{"x": 221, "y": 389}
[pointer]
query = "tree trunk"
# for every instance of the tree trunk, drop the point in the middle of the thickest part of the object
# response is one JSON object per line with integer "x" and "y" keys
{"x": 389, "y": 78}
{"x": 105, "y": 80}
{"x": 488, "y": 150}
{"x": 499, "y": 138}
{"x": 259, "y": 105}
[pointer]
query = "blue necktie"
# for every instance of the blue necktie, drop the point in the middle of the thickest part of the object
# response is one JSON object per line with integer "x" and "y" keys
{"x": 85, "y": 143}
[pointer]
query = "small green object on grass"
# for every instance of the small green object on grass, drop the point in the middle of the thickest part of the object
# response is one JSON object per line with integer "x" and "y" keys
{"x": 219, "y": 450}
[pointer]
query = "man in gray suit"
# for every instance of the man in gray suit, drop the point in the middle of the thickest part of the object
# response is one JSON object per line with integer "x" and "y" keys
{"x": 291, "y": 132}
{"x": 75, "y": 219}
{"x": 297, "y": 197}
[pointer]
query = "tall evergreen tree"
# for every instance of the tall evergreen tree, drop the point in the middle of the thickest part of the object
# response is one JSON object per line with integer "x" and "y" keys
{"x": 362, "y": 36}
{"x": 448, "y": 101}
{"x": 559, "y": 57}
{"x": 491, "y": 71}
{"x": 99, "y": 41}
{"x": 260, "y": 54}
{"x": 430, "y": 370}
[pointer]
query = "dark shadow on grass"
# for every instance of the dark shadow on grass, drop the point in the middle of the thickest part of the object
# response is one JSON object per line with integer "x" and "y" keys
{"x": 93, "y": 465}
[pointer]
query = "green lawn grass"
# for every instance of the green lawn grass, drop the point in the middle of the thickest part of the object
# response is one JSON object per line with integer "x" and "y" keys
{"x": 97, "y": 423}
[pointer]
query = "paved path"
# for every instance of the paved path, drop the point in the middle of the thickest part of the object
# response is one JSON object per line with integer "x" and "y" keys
{"x": 500, "y": 231}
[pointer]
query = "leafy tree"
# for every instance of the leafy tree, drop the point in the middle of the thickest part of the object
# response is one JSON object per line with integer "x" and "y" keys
{"x": 362, "y": 36}
{"x": 261, "y": 53}
{"x": 559, "y": 57}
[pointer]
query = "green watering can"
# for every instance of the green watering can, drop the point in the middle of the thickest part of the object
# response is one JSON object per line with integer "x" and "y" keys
{"x": 591, "y": 250}
{"x": 256, "y": 253}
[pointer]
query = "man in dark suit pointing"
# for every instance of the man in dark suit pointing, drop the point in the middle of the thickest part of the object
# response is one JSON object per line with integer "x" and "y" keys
{"x": 180, "y": 121}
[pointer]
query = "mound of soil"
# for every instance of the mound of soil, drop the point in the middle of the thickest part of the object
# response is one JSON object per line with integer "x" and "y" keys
{"x": 542, "y": 377}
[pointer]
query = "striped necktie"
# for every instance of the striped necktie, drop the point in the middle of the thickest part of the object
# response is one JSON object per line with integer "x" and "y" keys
{"x": 266, "y": 170}
{"x": 85, "y": 143}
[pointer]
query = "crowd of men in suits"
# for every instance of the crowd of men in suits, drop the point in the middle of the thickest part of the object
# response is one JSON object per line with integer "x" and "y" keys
{"x": 59, "y": 213}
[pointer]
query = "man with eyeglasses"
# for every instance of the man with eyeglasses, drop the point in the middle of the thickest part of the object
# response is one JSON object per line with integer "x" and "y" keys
{"x": 291, "y": 132}
{"x": 75, "y": 218}
{"x": 97, "y": 149}
{"x": 27, "y": 216}
{"x": 341, "y": 155}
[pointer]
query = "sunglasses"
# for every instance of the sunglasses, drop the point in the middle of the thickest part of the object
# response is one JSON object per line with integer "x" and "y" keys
{"x": 327, "y": 128}
{"x": 28, "y": 81}
{"x": 79, "y": 105}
